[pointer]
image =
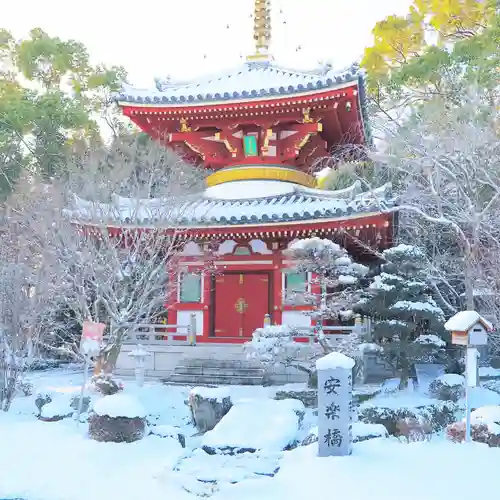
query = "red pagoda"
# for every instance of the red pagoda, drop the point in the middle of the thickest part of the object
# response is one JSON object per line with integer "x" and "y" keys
{"x": 259, "y": 129}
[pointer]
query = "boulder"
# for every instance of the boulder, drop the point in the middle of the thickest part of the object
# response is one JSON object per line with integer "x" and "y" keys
{"x": 256, "y": 425}
{"x": 58, "y": 409}
{"x": 118, "y": 418}
{"x": 208, "y": 406}
{"x": 312, "y": 437}
{"x": 364, "y": 432}
{"x": 168, "y": 431}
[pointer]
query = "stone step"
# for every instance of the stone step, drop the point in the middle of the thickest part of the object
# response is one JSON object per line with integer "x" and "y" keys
{"x": 203, "y": 370}
{"x": 216, "y": 379}
{"x": 217, "y": 363}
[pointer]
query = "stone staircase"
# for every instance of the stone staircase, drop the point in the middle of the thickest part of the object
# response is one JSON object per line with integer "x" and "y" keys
{"x": 193, "y": 371}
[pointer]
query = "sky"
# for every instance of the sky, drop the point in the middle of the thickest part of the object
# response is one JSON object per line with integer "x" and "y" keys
{"x": 188, "y": 38}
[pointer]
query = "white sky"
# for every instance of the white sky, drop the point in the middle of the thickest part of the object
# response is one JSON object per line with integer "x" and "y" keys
{"x": 188, "y": 38}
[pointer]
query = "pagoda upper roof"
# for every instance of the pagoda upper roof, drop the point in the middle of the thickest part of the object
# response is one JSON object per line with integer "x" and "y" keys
{"x": 278, "y": 202}
{"x": 253, "y": 80}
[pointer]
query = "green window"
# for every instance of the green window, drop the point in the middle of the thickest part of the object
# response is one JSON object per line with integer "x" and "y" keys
{"x": 250, "y": 145}
{"x": 241, "y": 250}
{"x": 295, "y": 282}
{"x": 190, "y": 287}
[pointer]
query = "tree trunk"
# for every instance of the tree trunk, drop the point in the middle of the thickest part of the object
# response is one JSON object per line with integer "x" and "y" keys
{"x": 404, "y": 364}
{"x": 110, "y": 358}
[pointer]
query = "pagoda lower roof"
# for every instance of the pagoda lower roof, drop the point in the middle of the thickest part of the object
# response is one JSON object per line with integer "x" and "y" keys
{"x": 295, "y": 204}
{"x": 250, "y": 81}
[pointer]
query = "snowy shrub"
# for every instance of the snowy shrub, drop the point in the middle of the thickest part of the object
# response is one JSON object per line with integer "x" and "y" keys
{"x": 338, "y": 277}
{"x": 308, "y": 398}
{"x": 75, "y": 403}
{"x": 24, "y": 387}
{"x": 437, "y": 416}
{"x": 411, "y": 430}
{"x": 42, "y": 398}
{"x": 479, "y": 432}
{"x": 448, "y": 387}
{"x": 41, "y": 364}
{"x": 106, "y": 384}
{"x": 276, "y": 345}
{"x": 118, "y": 418}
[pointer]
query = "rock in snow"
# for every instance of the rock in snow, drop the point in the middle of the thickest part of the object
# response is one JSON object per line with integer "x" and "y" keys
{"x": 119, "y": 405}
{"x": 254, "y": 424}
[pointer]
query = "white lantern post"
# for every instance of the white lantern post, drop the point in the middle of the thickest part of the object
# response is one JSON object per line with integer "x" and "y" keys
{"x": 139, "y": 354}
{"x": 470, "y": 329}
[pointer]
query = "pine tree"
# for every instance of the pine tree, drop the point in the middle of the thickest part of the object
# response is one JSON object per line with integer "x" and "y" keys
{"x": 406, "y": 319}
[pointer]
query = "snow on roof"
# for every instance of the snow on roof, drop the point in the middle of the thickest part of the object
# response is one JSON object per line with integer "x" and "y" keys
{"x": 335, "y": 360}
{"x": 465, "y": 320}
{"x": 251, "y": 80}
{"x": 271, "y": 202}
{"x": 119, "y": 405}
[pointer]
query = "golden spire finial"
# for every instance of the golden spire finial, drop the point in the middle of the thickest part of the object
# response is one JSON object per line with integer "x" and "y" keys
{"x": 261, "y": 30}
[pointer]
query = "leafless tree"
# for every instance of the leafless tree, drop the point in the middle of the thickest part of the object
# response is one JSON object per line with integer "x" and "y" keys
{"x": 27, "y": 288}
{"x": 445, "y": 163}
{"x": 110, "y": 234}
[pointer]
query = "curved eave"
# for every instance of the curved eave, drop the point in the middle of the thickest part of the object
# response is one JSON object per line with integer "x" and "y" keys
{"x": 350, "y": 223}
{"x": 206, "y": 104}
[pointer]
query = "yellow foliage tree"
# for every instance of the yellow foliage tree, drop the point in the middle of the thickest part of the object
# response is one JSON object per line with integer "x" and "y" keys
{"x": 398, "y": 39}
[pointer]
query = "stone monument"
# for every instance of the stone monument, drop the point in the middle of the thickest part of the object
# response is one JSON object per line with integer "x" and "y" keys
{"x": 334, "y": 404}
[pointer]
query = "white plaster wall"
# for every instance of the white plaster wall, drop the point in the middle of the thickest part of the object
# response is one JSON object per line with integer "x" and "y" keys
{"x": 184, "y": 318}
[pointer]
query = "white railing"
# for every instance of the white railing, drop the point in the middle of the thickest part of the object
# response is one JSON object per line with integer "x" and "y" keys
{"x": 159, "y": 334}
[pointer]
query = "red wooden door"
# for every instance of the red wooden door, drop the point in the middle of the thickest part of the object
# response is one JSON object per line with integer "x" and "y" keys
{"x": 228, "y": 321}
{"x": 241, "y": 301}
{"x": 256, "y": 293}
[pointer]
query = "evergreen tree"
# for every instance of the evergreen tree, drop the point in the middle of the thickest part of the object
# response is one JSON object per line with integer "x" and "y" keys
{"x": 406, "y": 320}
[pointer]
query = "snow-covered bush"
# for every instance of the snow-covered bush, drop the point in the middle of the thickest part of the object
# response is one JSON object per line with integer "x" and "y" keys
{"x": 42, "y": 399}
{"x": 118, "y": 418}
{"x": 437, "y": 416}
{"x": 276, "y": 345}
{"x": 333, "y": 270}
{"x": 106, "y": 384}
{"x": 75, "y": 403}
{"x": 406, "y": 321}
{"x": 479, "y": 432}
{"x": 413, "y": 430}
{"x": 448, "y": 387}
{"x": 24, "y": 387}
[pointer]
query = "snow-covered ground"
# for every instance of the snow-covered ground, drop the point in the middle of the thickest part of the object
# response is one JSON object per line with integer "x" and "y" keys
{"x": 57, "y": 461}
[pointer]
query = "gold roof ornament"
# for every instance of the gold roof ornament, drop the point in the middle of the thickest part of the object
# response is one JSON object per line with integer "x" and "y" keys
{"x": 261, "y": 31}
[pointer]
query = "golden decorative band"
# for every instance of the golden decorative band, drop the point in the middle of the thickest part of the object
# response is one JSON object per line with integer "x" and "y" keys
{"x": 269, "y": 173}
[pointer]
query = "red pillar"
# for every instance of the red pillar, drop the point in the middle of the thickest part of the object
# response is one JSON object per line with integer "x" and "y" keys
{"x": 277, "y": 298}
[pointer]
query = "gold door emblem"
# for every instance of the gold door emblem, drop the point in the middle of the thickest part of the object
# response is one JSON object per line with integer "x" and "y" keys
{"x": 241, "y": 306}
